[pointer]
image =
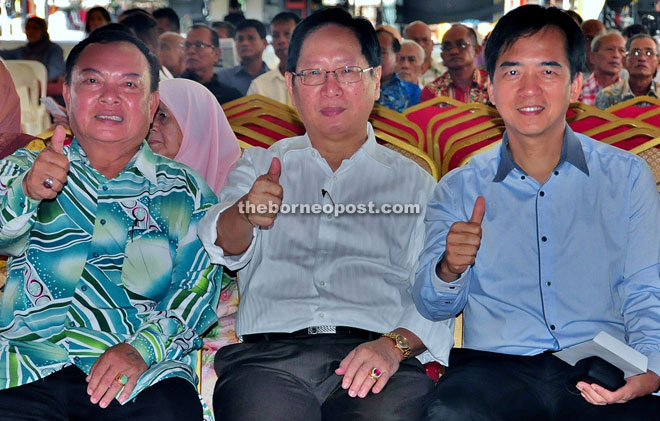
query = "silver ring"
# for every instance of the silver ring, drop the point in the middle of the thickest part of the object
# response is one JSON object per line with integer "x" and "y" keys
{"x": 48, "y": 183}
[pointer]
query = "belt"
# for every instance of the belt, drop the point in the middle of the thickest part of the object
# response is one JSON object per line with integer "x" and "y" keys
{"x": 352, "y": 332}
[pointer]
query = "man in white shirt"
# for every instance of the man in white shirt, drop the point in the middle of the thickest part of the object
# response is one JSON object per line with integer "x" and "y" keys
{"x": 328, "y": 324}
{"x": 272, "y": 84}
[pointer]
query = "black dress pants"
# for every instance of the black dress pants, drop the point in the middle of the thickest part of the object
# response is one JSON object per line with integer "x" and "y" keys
{"x": 294, "y": 379}
{"x": 63, "y": 396}
{"x": 482, "y": 385}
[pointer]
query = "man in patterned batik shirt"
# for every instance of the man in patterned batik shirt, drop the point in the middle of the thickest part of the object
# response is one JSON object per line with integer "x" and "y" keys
{"x": 108, "y": 285}
{"x": 462, "y": 81}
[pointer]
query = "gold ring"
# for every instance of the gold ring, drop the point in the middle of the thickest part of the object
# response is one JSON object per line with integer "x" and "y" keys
{"x": 375, "y": 373}
{"x": 122, "y": 379}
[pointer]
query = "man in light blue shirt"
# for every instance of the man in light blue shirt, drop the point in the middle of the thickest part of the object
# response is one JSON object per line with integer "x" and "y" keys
{"x": 250, "y": 44}
{"x": 561, "y": 242}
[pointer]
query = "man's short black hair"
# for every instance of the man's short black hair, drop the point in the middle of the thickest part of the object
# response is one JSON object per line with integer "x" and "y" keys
{"x": 634, "y": 29}
{"x": 170, "y": 15}
{"x": 144, "y": 27}
{"x": 396, "y": 45}
{"x": 528, "y": 20}
{"x": 215, "y": 38}
{"x": 107, "y": 36}
{"x": 252, "y": 23}
{"x": 361, "y": 28}
{"x": 231, "y": 29}
{"x": 284, "y": 17}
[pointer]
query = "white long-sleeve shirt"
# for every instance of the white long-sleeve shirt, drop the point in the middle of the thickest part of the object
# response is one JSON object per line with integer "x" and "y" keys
{"x": 319, "y": 269}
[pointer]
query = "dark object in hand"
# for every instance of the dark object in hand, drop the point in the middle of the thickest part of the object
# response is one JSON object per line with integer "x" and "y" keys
{"x": 597, "y": 370}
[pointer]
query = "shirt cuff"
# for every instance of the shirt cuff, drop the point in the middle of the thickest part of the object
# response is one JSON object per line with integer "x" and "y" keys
{"x": 208, "y": 234}
{"x": 443, "y": 287}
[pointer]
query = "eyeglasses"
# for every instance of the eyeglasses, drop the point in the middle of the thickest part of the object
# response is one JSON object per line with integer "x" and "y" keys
{"x": 636, "y": 52}
{"x": 346, "y": 74}
{"x": 460, "y": 45}
{"x": 198, "y": 46}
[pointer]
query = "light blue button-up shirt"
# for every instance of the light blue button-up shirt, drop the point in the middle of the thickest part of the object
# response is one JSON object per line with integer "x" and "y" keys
{"x": 559, "y": 261}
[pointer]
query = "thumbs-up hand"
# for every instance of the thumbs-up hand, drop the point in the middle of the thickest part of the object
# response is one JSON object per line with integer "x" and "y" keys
{"x": 463, "y": 241}
{"x": 48, "y": 174}
{"x": 262, "y": 203}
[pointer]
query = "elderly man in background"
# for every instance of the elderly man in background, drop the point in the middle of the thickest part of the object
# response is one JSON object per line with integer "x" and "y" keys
{"x": 641, "y": 63}
{"x": 171, "y": 53}
{"x": 395, "y": 93}
{"x": 409, "y": 61}
{"x": 462, "y": 81}
{"x": 272, "y": 84}
{"x": 420, "y": 32}
{"x": 328, "y": 324}
{"x": 108, "y": 286}
{"x": 250, "y": 44}
{"x": 607, "y": 54}
{"x": 202, "y": 48}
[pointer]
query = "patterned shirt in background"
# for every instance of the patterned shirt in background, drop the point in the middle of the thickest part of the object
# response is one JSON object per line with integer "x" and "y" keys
{"x": 619, "y": 92}
{"x": 108, "y": 261}
{"x": 590, "y": 89}
{"x": 443, "y": 86}
{"x": 432, "y": 73}
{"x": 398, "y": 94}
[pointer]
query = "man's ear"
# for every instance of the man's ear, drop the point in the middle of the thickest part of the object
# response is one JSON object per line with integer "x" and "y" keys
{"x": 289, "y": 85}
{"x": 378, "y": 71}
{"x": 491, "y": 91}
{"x": 66, "y": 94}
{"x": 154, "y": 102}
{"x": 576, "y": 86}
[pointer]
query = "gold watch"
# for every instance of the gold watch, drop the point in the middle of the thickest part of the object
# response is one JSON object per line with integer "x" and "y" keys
{"x": 400, "y": 342}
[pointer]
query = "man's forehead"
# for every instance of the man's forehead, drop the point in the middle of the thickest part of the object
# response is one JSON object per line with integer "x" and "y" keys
{"x": 418, "y": 30}
{"x": 642, "y": 43}
{"x": 456, "y": 32}
{"x": 98, "y": 56}
{"x": 558, "y": 50}
{"x": 199, "y": 33}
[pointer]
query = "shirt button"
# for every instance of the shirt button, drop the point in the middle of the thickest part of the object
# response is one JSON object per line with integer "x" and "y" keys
{"x": 102, "y": 221}
{"x": 329, "y": 217}
{"x": 322, "y": 283}
{"x": 556, "y": 172}
{"x": 72, "y": 324}
{"x": 95, "y": 254}
{"x": 544, "y": 238}
{"x": 321, "y": 315}
{"x": 22, "y": 205}
{"x": 105, "y": 188}
{"x": 522, "y": 177}
{"x": 552, "y": 327}
{"x": 548, "y": 284}
{"x": 76, "y": 359}
{"x": 542, "y": 194}
{"x": 83, "y": 288}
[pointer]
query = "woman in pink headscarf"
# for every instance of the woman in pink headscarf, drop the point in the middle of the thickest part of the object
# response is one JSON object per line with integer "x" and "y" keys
{"x": 10, "y": 115}
{"x": 190, "y": 127}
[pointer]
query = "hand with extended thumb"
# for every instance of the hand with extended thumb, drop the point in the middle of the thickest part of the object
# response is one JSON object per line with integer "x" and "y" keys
{"x": 463, "y": 241}
{"x": 49, "y": 171}
{"x": 262, "y": 203}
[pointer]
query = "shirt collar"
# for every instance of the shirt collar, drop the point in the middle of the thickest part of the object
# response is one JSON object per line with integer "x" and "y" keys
{"x": 143, "y": 160}
{"x": 370, "y": 146}
{"x": 571, "y": 152}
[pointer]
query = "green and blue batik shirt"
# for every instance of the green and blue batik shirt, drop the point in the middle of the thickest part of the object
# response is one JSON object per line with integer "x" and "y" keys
{"x": 106, "y": 262}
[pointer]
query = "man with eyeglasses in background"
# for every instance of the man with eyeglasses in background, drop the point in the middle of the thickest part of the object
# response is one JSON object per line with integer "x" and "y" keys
{"x": 641, "y": 63}
{"x": 202, "y": 48}
{"x": 462, "y": 81}
{"x": 606, "y": 56}
{"x": 327, "y": 320}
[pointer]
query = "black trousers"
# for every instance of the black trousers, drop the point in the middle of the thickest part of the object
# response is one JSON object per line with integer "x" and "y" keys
{"x": 294, "y": 379}
{"x": 63, "y": 396}
{"x": 482, "y": 385}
